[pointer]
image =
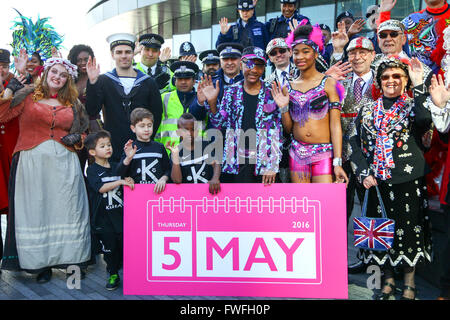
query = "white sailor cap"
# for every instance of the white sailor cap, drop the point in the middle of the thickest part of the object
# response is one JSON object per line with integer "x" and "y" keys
{"x": 121, "y": 39}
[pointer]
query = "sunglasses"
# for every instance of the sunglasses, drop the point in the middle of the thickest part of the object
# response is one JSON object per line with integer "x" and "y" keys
{"x": 274, "y": 52}
{"x": 393, "y": 34}
{"x": 395, "y": 76}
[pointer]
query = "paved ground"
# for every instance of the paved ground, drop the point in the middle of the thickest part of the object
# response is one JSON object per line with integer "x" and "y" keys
{"x": 22, "y": 286}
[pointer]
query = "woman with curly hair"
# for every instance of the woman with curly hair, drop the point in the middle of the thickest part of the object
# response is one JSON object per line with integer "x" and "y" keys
{"x": 79, "y": 56}
{"x": 48, "y": 221}
{"x": 388, "y": 153}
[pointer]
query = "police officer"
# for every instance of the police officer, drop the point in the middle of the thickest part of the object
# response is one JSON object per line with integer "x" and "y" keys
{"x": 279, "y": 27}
{"x": 211, "y": 62}
{"x": 151, "y": 64}
{"x": 177, "y": 102}
{"x": 230, "y": 65}
{"x": 328, "y": 50}
{"x": 248, "y": 31}
{"x": 187, "y": 52}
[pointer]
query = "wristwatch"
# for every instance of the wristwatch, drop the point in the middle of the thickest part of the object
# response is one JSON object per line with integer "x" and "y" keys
{"x": 337, "y": 162}
{"x": 284, "y": 109}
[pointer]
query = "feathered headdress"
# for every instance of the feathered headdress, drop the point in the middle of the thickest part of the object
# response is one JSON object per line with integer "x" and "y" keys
{"x": 37, "y": 37}
{"x": 314, "y": 40}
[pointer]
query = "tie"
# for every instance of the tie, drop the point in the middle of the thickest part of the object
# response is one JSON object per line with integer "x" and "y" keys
{"x": 230, "y": 81}
{"x": 357, "y": 89}
{"x": 284, "y": 77}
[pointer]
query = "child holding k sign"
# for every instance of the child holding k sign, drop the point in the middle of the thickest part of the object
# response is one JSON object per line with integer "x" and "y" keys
{"x": 144, "y": 160}
{"x": 191, "y": 162}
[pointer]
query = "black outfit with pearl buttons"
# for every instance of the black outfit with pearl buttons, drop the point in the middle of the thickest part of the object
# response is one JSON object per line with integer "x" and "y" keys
{"x": 404, "y": 195}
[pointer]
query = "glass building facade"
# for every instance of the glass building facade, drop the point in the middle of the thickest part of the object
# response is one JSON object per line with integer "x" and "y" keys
{"x": 197, "y": 20}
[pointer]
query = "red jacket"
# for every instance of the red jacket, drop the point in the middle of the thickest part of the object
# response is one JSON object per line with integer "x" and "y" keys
{"x": 9, "y": 131}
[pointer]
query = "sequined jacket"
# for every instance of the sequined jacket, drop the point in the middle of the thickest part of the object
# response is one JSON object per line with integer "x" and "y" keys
{"x": 406, "y": 133}
{"x": 350, "y": 111}
{"x": 291, "y": 76}
{"x": 268, "y": 128}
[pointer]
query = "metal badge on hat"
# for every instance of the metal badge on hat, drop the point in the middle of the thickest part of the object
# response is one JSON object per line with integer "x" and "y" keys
{"x": 186, "y": 47}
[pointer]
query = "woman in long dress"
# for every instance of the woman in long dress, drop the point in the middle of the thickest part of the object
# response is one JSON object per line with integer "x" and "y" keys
{"x": 48, "y": 221}
{"x": 388, "y": 153}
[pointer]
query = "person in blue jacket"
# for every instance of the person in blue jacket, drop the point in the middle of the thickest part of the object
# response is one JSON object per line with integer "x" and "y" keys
{"x": 247, "y": 31}
{"x": 279, "y": 27}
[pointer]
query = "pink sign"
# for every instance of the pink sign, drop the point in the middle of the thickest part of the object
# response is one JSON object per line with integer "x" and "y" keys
{"x": 283, "y": 240}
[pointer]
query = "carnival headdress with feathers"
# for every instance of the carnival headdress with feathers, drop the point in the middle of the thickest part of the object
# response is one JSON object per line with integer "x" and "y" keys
{"x": 37, "y": 37}
{"x": 314, "y": 39}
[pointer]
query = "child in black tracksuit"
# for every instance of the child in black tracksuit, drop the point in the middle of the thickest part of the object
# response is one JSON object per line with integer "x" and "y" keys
{"x": 191, "y": 160}
{"x": 106, "y": 202}
{"x": 144, "y": 160}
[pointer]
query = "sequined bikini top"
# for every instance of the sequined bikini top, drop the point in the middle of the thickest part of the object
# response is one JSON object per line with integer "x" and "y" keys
{"x": 312, "y": 104}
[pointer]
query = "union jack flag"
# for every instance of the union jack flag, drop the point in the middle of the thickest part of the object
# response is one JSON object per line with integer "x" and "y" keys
{"x": 374, "y": 234}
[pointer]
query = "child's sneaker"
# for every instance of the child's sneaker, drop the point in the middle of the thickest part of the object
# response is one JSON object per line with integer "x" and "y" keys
{"x": 113, "y": 282}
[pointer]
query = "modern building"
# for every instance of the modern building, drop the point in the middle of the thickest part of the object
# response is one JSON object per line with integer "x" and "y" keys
{"x": 197, "y": 20}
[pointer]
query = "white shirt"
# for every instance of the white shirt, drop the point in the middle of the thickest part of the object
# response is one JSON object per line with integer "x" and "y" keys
{"x": 440, "y": 117}
{"x": 127, "y": 84}
{"x": 227, "y": 79}
{"x": 366, "y": 78}
{"x": 280, "y": 76}
{"x": 146, "y": 68}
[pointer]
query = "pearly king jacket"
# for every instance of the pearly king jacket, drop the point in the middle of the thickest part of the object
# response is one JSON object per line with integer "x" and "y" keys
{"x": 350, "y": 111}
{"x": 268, "y": 128}
{"x": 406, "y": 134}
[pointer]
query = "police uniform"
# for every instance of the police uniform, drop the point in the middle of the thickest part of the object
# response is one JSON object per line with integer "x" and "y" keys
{"x": 279, "y": 27}
{"x": 176, "y": 103}
{"x": 159, "y": 72}
{"x": 228, "y": 50}
{"x": 187, "y": 49}
{"x": 253, "y": 33}
{"x": 209, "y": 57}
{"x": 328, "y": 50}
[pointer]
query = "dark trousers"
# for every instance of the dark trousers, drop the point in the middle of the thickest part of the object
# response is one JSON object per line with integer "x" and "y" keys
{"x": 112, "y": 248}
{"x": 352, "y": 187}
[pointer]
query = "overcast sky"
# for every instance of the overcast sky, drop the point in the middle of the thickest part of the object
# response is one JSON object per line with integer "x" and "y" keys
{"x": 67, "y": 17}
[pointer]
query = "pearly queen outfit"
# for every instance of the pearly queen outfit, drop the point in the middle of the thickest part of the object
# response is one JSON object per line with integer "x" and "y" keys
{"x": 386, "y": 143}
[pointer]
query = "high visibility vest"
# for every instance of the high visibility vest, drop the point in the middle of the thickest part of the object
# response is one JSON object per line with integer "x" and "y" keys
{"x": 172, "y": 111}
{"x": 169, "y": 87}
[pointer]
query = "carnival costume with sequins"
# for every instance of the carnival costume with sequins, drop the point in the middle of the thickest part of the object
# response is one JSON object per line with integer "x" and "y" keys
{"x": 312, "y": 104}
{"x": 268, "y": 128}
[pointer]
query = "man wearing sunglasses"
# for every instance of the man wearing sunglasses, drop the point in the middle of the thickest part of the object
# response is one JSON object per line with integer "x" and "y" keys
{"x": 424, "y": 30}
{"x": 284, "y": 70}
{"x": 392, "y": 40}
